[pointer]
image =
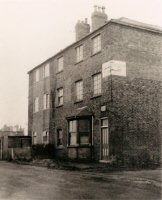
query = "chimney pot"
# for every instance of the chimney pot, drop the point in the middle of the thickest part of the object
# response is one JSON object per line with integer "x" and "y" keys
{"x": 95, "y": 8}
{"x": 99, "y": 8}
{"x": 99, "y": 18}
{"x": 82, "y": 28}
{"x": 103, "y": 9}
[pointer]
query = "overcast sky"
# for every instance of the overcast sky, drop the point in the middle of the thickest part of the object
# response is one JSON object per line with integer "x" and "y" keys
{"x": 33, "y": 30}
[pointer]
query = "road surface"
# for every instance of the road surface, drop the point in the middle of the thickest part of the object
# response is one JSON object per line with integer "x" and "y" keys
{"x": 23, "y": 182}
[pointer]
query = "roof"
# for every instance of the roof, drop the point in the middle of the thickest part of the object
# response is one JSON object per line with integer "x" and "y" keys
{"x": 123, "y": 21}
{"x": 138, "y": 24}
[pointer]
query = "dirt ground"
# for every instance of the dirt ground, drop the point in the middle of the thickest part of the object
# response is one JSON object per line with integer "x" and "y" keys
{"x": 24, "y": 182}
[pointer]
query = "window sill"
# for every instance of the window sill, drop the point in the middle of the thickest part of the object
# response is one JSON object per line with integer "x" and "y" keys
{"x": 46, "y": 109}
{"x": 59, "y": 72}
{"x": 36, "y": 112}
{"x": 96, "y": 96}
{"x": 93, "y": 54}
{"x": 73, "y": 146}
{"x": 59, "y": 106}
{"x": 46, "y": 77}
{"x": 79, "y": 146}
{"x": 77, "y": 62}
{"x": 78, "y": 101}
{"x": 60, "y": 147}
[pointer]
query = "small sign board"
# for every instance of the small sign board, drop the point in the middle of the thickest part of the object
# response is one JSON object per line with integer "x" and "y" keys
{"x": 114, "y": 67}
{"x": 103, "y": 108}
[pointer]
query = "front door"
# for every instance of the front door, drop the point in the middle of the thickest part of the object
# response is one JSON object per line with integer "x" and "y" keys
{"x": 104, "y": 140}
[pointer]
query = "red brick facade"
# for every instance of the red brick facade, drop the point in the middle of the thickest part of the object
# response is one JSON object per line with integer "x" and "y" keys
{"x": 132, "y": 103}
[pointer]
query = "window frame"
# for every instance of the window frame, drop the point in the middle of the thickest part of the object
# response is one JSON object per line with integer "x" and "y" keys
{"x": 36, "y": 105}
{"x": 47, "y": 136}
{"x": 46, "y": 101}
{"x": 78, "y": 132}
{"x": 60, "y": 65}
{"x": 34, "y": 137}
{"x": 79, "y": 53}
{"x": 59, "y": 139}
{"x": 59, "y": 97}
{"x": 79, "y": 90}
{"x": 96, "y": 84}
{"x": 46, "y": 70}
{"x": 96, "y": 44}
{"x": 36, "y": 75}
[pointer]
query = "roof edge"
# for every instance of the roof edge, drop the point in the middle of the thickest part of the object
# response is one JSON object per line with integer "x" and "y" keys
{"x": 116, "y": 21}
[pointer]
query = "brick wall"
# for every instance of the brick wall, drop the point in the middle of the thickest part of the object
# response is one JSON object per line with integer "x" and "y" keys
{"x": 135, "y": 115}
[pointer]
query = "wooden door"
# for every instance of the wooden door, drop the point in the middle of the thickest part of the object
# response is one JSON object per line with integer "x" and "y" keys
{"x": 104, "y": 139}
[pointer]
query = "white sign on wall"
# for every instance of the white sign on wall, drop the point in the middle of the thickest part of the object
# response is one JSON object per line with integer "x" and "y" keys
{"x": 114, "y": 67}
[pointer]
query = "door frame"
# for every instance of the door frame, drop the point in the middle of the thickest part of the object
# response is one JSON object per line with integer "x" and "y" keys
{"x": 101, "y": 153}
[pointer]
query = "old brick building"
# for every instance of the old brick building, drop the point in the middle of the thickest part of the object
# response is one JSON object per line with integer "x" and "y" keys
{"x": 100, "y": 98}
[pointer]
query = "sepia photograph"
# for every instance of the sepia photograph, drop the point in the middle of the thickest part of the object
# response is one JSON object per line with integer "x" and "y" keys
{"x": 80, "y": 99}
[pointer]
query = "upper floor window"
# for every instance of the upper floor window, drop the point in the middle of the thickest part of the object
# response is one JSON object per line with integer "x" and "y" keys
{"x": 36, "y": 75}
{"x": 46, "y": 101}
{"x": 79, "y": 53}
{"x": 79, "y": 90}
{"x": 45, "y": 137}
{"x": 36, "y": 104}
{"x": 60, "y": 64}
{"x": 97, "y": 84}
{"x": 46, "y": 70}
{"x": 96, "y": 44}
{"x": 60, "y": 96}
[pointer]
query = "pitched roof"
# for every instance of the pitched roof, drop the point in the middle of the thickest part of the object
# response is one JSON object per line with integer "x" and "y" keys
{"x": 138, "y": 24}
{"x": 123, "y": 21}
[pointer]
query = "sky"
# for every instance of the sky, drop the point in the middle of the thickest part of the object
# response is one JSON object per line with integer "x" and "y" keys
{"x": 33, "y": 30}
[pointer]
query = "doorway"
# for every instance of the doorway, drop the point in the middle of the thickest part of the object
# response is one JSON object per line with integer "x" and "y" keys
{"x": 104, "y": 139}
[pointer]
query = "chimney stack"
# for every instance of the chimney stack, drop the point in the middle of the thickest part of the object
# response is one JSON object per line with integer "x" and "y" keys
{"x": 82, "y": 28}
{"x": 99, "y": 18}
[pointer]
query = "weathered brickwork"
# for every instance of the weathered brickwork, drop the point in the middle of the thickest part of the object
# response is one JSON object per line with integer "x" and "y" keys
{"x": 133, "y": 103}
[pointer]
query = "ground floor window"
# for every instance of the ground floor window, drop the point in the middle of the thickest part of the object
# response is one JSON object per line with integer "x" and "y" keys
{"x": 80, "y": 131}
{"x": 59, "y": 137}
{"x": 34, "y": 137}
{"x": 45, "y": 137}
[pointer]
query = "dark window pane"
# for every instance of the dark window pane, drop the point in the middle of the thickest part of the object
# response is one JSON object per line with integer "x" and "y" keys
{"x": 84, "y": 125}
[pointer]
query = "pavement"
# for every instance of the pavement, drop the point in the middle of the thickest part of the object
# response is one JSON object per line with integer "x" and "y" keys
{"x": 25, "y": 182}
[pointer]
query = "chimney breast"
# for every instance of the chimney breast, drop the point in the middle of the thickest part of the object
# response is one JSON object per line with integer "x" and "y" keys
{"x": 99, "y": 18}
{"x": 82, "y": 28}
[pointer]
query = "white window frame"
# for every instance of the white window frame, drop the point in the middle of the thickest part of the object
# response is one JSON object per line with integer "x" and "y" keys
{"x": 76, "y": 135}
{"x": 36, "y": 104}
{"x": 36, "y": 75}
{"x": 96, "y": 44}
{"x": 79, "y": 90}
{"x": 60, "y": 96}
{"x": 79, "y": 53}
{"x": 60, "y": 64}
{"x": 97, "y": 84}
{"x": 73, "y": 131}
{"x": 34, "y": 137}
{"x": 59, "y": 137}
{"x": 46, "y": 70}
{"x": 46, "y": 101}
{"x": 45, "y": 134}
